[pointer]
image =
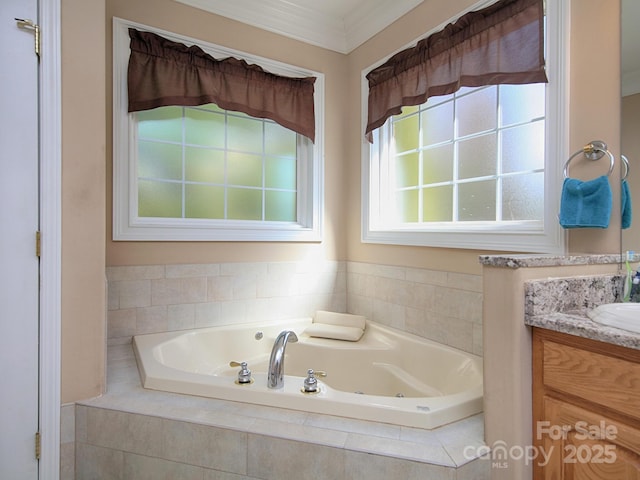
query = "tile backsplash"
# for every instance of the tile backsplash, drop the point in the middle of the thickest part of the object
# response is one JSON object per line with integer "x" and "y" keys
{"x": 442, "y": 306}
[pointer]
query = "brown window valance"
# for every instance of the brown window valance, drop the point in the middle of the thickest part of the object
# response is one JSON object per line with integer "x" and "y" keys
{"x": 162, "y": 72}
{"x": 500, "y": 44}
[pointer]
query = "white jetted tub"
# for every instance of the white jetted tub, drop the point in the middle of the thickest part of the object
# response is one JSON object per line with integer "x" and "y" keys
{"x": 387, "y": 376}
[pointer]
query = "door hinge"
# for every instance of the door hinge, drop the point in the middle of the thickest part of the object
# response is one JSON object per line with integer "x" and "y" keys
{"x": 27, "y": 24}
{"x": 37, "y": 445}
{"x": 38, "y": 243}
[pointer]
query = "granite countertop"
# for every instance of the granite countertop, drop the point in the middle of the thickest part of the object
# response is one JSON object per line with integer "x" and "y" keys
{"x": 543, "y": 260}
{"x": 578, "y": 324}
{"x": 561, "y": 304}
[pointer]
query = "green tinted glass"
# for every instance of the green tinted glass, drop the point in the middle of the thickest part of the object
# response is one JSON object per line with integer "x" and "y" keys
{"x": 159, "y": 160}
{"x": 405, "y": 133}
{"x": 437, "y": 204}
{"x": 279, "y": 141}
{"x": 280, "y": 173}
{"x": 244, "y": 204}
{"x": 204, "y": 201}
{"x": 164, "y": 123}
{"x": 280, "y": 206}
{"x": 204, "y": 165}
{"x": 204, "y": 128}
{"x": 245, "y": 134}
{"x": 406, "y": 170}
{"x": 159, "y": 199}
{"x": 244, "y": 169}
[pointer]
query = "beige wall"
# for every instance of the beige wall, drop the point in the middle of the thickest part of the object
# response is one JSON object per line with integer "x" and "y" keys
{"x": 594, "y": 110}
{"x": 83, "y": 199}
{"x": 86, "y": 56}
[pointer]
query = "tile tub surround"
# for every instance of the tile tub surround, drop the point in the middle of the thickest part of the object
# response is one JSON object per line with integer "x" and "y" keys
{"x": 442, "y": 306}
{"x": 135, "y": 433}
{"x": 561, "y": 304}
{"x": 445, "y": 307}
{"x": 161, "y": 298}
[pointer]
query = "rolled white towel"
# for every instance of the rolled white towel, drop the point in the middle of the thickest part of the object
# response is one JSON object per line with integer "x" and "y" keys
{"x": 340, "y": 319}
{"x": 334, "y": 332}
{"x": 337, "y": 326}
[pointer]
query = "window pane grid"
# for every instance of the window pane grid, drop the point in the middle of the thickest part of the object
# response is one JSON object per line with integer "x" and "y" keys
{"x": 522, "y": 127}
{"x": 244, "y": 168}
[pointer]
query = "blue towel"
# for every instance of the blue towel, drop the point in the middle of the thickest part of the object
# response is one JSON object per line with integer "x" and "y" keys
{"x": 625, "y": 197}
{"x": 585, "y": 204}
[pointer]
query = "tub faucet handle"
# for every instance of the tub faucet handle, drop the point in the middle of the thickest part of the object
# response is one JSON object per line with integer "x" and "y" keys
{"x": 244, "y": 375}
{"x": 311, "y": 383}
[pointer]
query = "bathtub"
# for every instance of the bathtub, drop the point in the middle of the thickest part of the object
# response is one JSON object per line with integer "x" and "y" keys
{"x": 387, "y": 376}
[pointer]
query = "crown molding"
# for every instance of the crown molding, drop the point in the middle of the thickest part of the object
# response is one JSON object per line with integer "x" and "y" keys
{"x": 313, "y": 26}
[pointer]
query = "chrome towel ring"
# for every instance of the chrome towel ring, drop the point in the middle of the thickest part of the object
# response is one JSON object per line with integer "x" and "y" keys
{"x": 594, "y": 150}
{"x": 625, "y": 161}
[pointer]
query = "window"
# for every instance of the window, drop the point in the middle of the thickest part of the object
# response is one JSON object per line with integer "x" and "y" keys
{"x": 205, "y": 173}
{"x": 475, "y": 169}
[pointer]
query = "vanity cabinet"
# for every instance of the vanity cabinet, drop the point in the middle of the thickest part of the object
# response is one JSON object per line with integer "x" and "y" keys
{"x": 586, "y": 409}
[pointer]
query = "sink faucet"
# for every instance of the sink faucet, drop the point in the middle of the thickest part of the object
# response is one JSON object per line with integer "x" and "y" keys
{"x": 275, "y": 374}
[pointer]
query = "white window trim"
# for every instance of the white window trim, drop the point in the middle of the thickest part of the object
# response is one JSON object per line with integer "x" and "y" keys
{"x": 547, "y": 238}
{"x": 126, "y": 223}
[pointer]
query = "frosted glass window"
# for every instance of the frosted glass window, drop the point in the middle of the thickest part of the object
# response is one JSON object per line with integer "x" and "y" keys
{"x": 204, "y": 201}
{"x": 489, "y": 163}
{"x": 204, "y": 165}
{"x": 279, "y": 141}
{"x": 280, "y": 206}
{"x": 477, "y": 111}
{"x": 405, "y": 133}
{"x": 477, "y": 156}
{"x": 203, "y": 127}
{"x": 204, "y": 155}
{"x": 521, "y": 103}
{"x": 407, "y": 205}
{"x": 159, "y": 160}
{"x": 245, "y": 134}
{"x": 204, "y": 173}
{"x": 523, "y": 148}
{"x": 437, "y": 164}
{"x": 520, "y": 199}
{"x": 244, "y": 169}
{"x": 437, "y": 124}
{"x": 450, "y": 160}
{"x": 161, "y": 124}
{"x": 407, "y": 170}
{"x": 159, "y": 199}
{"x": 244, "y": 204}
{"x": 437, "y": 204}
{"x": 280, "y": 172}
{"x": 477, "y": 201}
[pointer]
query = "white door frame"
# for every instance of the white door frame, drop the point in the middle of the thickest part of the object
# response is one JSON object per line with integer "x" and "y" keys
{"x": 50, "y": 227}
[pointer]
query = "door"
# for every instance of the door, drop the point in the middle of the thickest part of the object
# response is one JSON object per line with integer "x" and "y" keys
{"x": 19, "y": 265}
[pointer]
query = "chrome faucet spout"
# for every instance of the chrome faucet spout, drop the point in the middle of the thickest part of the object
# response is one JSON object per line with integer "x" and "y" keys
{"x": 275, "y": 374}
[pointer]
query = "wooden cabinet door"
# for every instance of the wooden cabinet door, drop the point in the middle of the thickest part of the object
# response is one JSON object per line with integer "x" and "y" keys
{"x": 583, "y": 445}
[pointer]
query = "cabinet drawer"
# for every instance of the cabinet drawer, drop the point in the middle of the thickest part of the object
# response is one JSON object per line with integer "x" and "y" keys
{"x": 607, "y": 381}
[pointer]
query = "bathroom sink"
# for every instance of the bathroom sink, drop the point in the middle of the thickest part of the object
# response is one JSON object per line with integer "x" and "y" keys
{"x": 620, "y": 315}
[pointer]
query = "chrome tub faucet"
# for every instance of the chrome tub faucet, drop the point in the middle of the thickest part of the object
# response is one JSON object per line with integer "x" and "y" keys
{"x": 275, "y": 374}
